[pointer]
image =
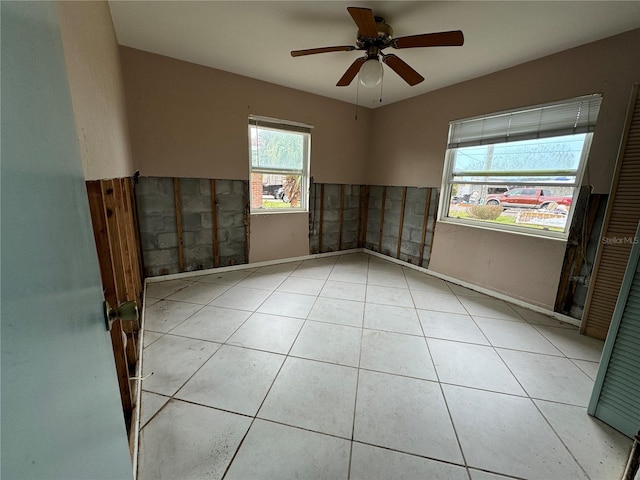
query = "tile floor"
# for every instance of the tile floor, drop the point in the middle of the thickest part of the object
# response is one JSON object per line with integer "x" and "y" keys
{"x": 354, "y": 367}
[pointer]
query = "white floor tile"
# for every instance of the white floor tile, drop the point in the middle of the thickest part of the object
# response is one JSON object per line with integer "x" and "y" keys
{"x": 266, "y": 281}
{"x": 242, "y": 298}
{"x": 369, "y": 463}
{"x": 233, "y": 379}
{"x": 387, "y": 279}
{"x": 440, "y": 302}
{"x": 392, "y": 319}
{"x": 332, "y": 310}
{"x": 572, "y": 344}
{"x": 189, "y": 441}
{"x": 150, "y": 337}
{"x": 396, "y": 353}
{"x": 328, "y": 342}
{"x": 489, "y": 307}
{"x": 272, "y": 333}
{"x": 515, "y": 335}
{"x": 536, "y": 318}
{"x": 428, "y": 283}
{"x": 314, "y": 269}
{"x": 404, "y": 414}
{"x": 451, "y": 326}
{"x": 305, "y": 286}
{"x": 497, "y": 433}
{"x": 151, "y": 403}
{"x": 278, "y": 452}
{"x": 465, "y": 292}
{"x": 313, "y": 395}
{"x": 288, "y": 304}
{"x": 344, "y": 290}
{"x": 472, "y": 366}
{"x": 226, "y": 278}
{"x": 172, "y": 360}
{"x": 214, "y": 324}
{"x": 348, "y": 275}
{"x": 402, "y": 423}
{"x": 283, "y": 268}
{"x": 480, "y": 475}
{"x": 166, "y": 288}
{"x": 590, "y": 368}
{"x": 165, "y": 315}
{"x": 399, "y": 297}
{"x": 601, "y": 450}
{"x": 548, "y": 377}
{"x": 201, "y": 293}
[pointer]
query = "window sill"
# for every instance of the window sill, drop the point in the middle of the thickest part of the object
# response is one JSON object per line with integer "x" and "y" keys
{"x": 509, "y": 229}
{"x": 275, "y": 211}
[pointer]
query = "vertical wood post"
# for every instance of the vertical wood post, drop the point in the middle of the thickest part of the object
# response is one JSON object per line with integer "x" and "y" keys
{"x": 320, "y": 221}
{"x": 404, "y": 202}
{"x": 364, "y": 217}
{"x": 340, "y": 216}
{"x": 425, "y": 222}
{"x": 178, "y": 205}
{"x": 384, "y": 199}
{"x": 214, "y": 225}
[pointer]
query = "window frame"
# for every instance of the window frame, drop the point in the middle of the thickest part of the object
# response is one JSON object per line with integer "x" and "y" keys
{"x": 449, "y": 179}
{"x": 286, "y": 126}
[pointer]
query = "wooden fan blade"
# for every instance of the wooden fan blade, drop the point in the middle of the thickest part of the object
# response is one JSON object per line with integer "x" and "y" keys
{"x": 454, "y": 38}
{"x": 313, "y": 51}
{"x": 364, "y": 20}
{"x": 351, "y": 72}
{"x": 399, "y": 66}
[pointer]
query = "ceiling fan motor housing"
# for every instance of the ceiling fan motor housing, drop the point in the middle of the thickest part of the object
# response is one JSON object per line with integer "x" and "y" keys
{"x": 383, "y": 40}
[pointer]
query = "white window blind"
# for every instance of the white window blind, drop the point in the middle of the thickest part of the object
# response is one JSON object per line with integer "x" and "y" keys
{"x": 552, "y": 120}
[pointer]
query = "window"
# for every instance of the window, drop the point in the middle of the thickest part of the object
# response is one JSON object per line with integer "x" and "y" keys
{"x": 520, "y": 170}
{"x": 279, "y": 165}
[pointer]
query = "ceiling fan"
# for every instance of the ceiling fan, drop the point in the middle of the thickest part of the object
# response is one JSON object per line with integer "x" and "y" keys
{"x": 374, "y": 35}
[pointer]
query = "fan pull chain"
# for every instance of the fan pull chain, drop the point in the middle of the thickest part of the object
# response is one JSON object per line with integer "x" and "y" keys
{"x": 357, "y": 95}
{"x": 381, "y": 83}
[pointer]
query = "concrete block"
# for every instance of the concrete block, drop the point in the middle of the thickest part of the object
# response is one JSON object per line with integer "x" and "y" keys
{"x": 154, "y": 185}
{"x": 191, "y": 222}
{"x": 330, "y": 216}
{"x": 410, "y": 248}
{"x": 188, "y": 238}
{"x": 154, "y": 203}
{"x": 240, "y": 187}
{"x": 167, "y": 240}
{"x": 148, "y": 241}
{"x": 394, "y": 193}
{"x": 198, "y": 256}
{"x": 204, "y": 236}
{"x": 195, "y": 203}
{"x": 170, "y": 224}
{"x": 224, "y": 187}
{"x": 204, "y": 187}
{"x": 188, "y": 186}
{"x": 206, "y": 220}
{"x": 151, "y": 223}
{"x": 160, "y": 257}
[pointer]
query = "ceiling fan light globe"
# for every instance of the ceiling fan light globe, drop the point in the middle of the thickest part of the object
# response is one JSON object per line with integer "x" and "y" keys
{"x": 371, "y": 73}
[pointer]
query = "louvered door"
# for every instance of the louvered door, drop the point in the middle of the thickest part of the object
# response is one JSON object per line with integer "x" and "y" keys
{"x": 616, "y": 394}
{"x": 621, "y": 220}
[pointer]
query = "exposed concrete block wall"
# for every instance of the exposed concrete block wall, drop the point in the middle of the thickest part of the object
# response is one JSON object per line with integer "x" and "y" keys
{"x": 159, "y": 234}
{"x": 339, "y": 212}
{"x": 339, "y": 208}
{"x": 406, "y": 205}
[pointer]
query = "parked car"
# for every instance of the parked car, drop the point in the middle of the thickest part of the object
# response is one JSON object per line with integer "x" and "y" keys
{"x": 527, "y": 198}
{"x": 271, "y": 190}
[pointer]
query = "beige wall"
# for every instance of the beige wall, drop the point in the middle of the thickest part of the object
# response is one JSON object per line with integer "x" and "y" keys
{"x": 275, "y": 236}
{"x": 95, "y": 80}
{"x": 188, "y": 120}
{"x": 191, "y": 121}
{"x": 412, "y": 150}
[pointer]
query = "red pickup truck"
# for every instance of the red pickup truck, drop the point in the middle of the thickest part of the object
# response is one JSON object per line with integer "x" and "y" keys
{"x": 527, "y": 198}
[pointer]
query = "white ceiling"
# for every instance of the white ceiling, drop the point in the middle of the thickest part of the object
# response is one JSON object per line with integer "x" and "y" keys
{"x": 254, "y": 38}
